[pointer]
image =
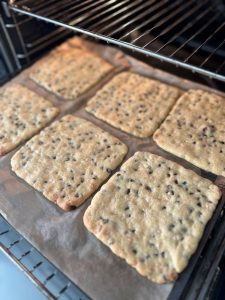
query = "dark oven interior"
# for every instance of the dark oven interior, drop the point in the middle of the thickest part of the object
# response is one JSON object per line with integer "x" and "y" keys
{"x": 186, "y": 38}
{"x": 187, "y": 35}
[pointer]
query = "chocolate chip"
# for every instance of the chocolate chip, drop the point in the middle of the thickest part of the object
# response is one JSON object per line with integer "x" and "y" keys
{"x": 199, "y": 214}
{"x": 171, "y": 226}
{"x": 148, "y": 188}
{"x": 150, "y": 171}
{"x": 179, "y": 123}
{"x": 184, "y": 229}
{"x": 104, "y": 221}
{"x": 169, "y": 190}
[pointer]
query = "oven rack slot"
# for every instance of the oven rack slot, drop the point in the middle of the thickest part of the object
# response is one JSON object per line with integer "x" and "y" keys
{"x": 186, "y": 34}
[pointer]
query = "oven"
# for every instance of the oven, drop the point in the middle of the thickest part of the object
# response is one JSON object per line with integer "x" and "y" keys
{"x": 185, "y": 38}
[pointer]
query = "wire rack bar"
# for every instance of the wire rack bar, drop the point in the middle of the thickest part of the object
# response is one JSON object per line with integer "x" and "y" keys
{"x": 208, "y": 38}
{"x": 199, "y": 31}
{"x": 155, "y": 14}
{"x": 149, "y": 11}
{"x": 186, "y": 28}
{"x": 136, "y": 7}
{"x": 105, "y": 12}
{"x": 151, "y": 27}
{"x": 213, "y": 53}
{"x": 45, "y": 38}
{"x": 163, "y": 15}
{"x": 174, "y": 24}
{"x": 171, "y": 27}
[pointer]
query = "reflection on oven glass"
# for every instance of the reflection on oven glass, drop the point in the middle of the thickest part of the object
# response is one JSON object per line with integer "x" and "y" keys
{"x": 14, "y": 285}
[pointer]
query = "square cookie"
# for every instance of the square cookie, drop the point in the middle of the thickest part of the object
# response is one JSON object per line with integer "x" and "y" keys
{"x": 153, "y": 213}
{"x": 195, "y": 130}
{"x": 68, "y": 160}
{"x": 70, "y": 72}
{"x": 133, "y": 103}
{"x": 23, "y": 113}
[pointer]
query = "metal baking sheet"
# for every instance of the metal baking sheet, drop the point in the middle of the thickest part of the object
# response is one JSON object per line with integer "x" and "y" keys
{"x": 61, "y": 236}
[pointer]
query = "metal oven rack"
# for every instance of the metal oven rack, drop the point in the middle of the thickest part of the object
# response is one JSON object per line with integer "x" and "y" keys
{"x": 53, "y": 283}
{"x": 23, "y": 39}
{"x": 184, "y": 33}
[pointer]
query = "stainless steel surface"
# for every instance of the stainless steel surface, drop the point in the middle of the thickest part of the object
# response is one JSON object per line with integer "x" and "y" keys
{"x": 45, "y": 275}
{"x": 11, "y": 47}
{"x": 21, "y": 38}
{"x": 11, "y": 276}
{"x": 165, "y": 29}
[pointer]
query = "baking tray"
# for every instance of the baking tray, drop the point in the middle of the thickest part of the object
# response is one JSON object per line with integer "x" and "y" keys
{"x": 61, "y": 236}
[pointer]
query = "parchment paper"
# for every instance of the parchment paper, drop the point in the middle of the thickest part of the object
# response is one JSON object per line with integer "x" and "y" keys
{"x": 61, "y": 236}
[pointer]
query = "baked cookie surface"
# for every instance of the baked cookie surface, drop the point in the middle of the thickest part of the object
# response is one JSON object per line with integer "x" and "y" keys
{"x": 22, "y": 114}
{"x": 68, "y": 160}
{"x": 133, "y": 103}
{"x": 71, "y": 72}
{"x": 153, "y": 213}
{"x": 195, "y": 130}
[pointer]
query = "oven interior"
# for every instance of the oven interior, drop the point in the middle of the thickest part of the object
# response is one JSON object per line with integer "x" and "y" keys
{"x": 186, "y": 38}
